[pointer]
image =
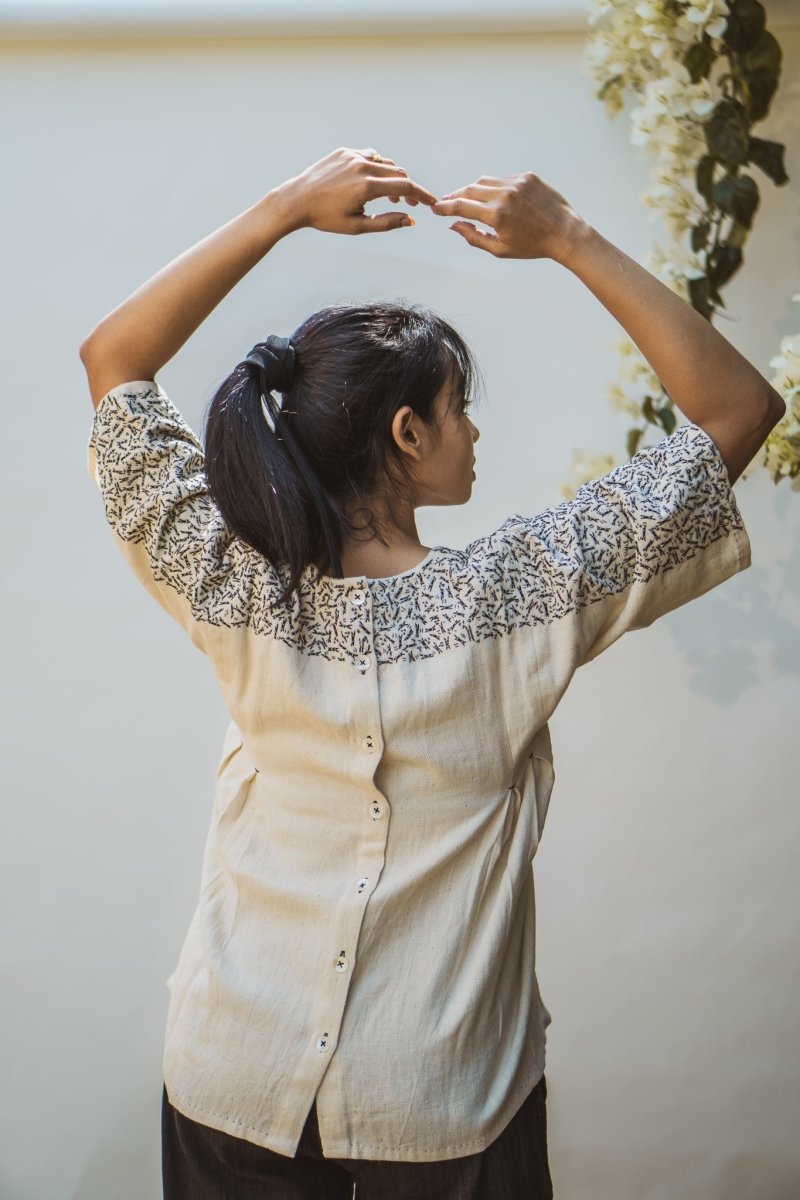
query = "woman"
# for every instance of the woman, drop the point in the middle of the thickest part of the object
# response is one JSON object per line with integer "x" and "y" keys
{"x": 356, "y": 1003}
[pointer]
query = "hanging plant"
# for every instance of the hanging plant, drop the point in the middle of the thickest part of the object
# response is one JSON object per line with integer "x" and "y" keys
{"x": 704, "y": 72}
{"x": 781, "y": 451}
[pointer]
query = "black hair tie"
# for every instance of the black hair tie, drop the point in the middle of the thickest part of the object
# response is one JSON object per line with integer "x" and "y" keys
{"x": 275, "y": 360}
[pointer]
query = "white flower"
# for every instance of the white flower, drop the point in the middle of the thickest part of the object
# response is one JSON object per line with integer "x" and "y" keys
{"x": 624, "y": 345}
{"x": 620, "y": 402}
{"x": 585, "y": 466}
{"x": 633, "y": 367}
{"x": 640, "y": 51}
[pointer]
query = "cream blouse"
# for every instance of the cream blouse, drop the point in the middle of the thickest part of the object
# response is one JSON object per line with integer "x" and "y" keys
{"x": 365, "y": 930}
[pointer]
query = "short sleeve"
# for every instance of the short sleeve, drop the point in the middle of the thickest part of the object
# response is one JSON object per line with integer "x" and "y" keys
{"x": 653, "y": 534}
{"x": 150, "y": 469}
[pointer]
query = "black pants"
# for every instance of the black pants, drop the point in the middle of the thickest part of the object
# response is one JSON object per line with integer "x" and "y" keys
{"x": 200, "y": 1163}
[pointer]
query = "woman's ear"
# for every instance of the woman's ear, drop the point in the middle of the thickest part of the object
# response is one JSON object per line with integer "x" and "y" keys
{"x": 405, "y": 430}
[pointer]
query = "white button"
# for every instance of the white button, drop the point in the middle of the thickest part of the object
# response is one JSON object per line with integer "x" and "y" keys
{"x": 368, "y": 743}
{"x": 364, "y": 663}
{"x": 341, "y": 962}
{"x": 377, "y": 811}
{"x": 322, "y": 1044}
{"x": 359, "y": 598}
{"x": 362, "y": 883}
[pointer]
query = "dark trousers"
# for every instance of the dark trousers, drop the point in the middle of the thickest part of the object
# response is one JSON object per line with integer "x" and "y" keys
{"x": 200, "y": 1163}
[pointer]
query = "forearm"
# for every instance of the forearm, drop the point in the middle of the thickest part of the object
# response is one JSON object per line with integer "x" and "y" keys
{"x": 710, "y": 382}
{"x": 144, "y": 332}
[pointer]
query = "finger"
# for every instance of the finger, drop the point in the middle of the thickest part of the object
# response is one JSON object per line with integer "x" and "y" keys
{"x": 409, "y": 200}
{"x": 364, "y": 223}
{"x": 370, "y": 150}
{"x": 387, "y": 167}
{"x": 473, "y": 191}
{"x": 464, "y": 208}
{"x": 398, "y": 187}
{"x": 484, "y": 241}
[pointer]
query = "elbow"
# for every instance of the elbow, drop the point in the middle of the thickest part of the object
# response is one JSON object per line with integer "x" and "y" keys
{"x": 776, "y": 408}
{"x": 86, "y": 349}
{"x": 90, "y": 347}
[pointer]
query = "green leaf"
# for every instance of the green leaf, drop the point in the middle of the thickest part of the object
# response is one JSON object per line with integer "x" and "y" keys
{"x": 647, "y": 409}
{"x": 715, "y": 296}
{"x": 723, "y": 263}
{"x": 633, "y": 439}
{"x": 769, "y": 157}
{"x": 698, "y": 60}
{"x": 738, "y": 197}
{"x": 667, "y": 420}
{"x": 759, "y": 87}
{"x": 698, "y": 295}
{"x": 704, "y": 177}
{"x": 727, "y": 133}
{"x": 766, "y": 53}
{"x": 746, "y": 22}
{"x": 699, "y": 236}
{"x": 737, "y": 235}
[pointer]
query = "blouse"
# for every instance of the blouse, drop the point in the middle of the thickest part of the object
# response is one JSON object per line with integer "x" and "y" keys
{"x": 365, "y": 929}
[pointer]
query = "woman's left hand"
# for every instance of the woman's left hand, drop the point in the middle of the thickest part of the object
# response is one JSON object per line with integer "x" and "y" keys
{"x": 330, "y": 194}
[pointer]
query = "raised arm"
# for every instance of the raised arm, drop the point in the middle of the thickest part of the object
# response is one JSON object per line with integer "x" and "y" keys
{"x": 143, "y": 333}
{"x": 710, "y": 381}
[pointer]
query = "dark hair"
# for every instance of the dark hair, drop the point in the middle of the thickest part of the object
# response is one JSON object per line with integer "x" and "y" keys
{"x": 355, "y": 366}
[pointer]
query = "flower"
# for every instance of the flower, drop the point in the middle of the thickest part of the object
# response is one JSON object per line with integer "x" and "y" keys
{"x": 639, "y": 47}
{"x": 585, "y": 466}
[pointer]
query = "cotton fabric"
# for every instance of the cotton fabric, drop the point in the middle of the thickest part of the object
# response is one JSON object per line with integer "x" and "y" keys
{"x": 365, "y": 929}
{"x": 199, "y": 1163}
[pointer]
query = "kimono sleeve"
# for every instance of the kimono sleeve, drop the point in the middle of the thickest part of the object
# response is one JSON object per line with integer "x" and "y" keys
{"x": 149, "y": 467}
{"x": 653, "y": 534}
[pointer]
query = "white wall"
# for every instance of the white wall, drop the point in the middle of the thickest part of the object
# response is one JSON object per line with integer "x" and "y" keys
{"x": 666, "y": 882}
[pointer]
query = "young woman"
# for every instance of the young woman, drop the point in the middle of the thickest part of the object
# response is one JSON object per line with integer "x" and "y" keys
{"x": 355, "y": 1004}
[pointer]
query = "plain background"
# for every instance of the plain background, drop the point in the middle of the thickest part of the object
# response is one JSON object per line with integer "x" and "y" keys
{"x": 667, "y": 884}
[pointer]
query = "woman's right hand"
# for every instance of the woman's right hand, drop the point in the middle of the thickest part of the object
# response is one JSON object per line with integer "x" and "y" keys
{"x": 330, "y": 194}
{"x": 530, "y": 219}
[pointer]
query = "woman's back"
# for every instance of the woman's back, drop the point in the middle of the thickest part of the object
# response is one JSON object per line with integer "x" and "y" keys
{"x": 367, "y": 886}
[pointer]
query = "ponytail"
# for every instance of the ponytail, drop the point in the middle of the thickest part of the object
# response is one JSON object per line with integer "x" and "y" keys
{"x": 257, "y": 471}
{"x": 280, "y": 473}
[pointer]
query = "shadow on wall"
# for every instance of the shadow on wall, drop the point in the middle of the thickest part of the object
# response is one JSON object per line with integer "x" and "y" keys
{"x": 756, "y": 616}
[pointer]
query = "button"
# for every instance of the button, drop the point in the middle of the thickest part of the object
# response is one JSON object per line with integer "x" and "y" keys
{"x": 364, "y": 663}
{"x": 322, "y": 1044}
{"x": 341, "y": 962}
{"x": 362, "y": 883}
{"x": 369, "y": 743}
{"x": 358, "y": 598}
{"x": 377, "y": 811}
